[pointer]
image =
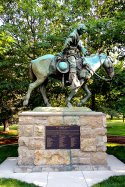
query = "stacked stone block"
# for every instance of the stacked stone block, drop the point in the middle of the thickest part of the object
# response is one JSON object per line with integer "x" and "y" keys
{"x": 32, "y": 153}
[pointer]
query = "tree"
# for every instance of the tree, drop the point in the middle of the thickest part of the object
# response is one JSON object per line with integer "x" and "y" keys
{"x": 5, "y": 115}
{"x": 106, "y": 30}
{"x": 38, "y": 27}
{"x": 34, "y": 30}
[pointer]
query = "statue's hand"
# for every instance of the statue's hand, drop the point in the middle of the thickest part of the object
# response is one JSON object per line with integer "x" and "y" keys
{"x": 87, "y": 53}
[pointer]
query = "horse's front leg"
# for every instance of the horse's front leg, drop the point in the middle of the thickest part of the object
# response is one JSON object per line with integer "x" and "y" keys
{"x": 43, "y": 92}
{"x": 73, "y": 93}
{"x": 88, "y": 94}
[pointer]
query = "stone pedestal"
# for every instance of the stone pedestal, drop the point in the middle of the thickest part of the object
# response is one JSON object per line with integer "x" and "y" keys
{"x": 33, "y": 156}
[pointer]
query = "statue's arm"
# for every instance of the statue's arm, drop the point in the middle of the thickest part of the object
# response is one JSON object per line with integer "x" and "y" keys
{"x": 82, "y": 49}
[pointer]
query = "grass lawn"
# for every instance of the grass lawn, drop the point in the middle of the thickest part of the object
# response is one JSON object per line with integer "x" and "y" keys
{"x": 115, "y": 127}
{"x": 14, "y": 183}
{"x": 116, "y": 181}
{"x": 12, "y": 132}
{"x": 8, "y": 151}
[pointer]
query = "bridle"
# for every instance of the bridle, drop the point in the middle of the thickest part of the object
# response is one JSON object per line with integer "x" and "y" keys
{"x": 91, "y": 70}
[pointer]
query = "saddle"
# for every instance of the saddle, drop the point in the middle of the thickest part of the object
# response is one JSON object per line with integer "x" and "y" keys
{"x": 63, "y": 65}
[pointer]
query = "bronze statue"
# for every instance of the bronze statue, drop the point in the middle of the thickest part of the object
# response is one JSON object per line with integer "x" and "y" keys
{"x": 47, "y": 65}
{"x": 72, "y": 64}
{"x": 73, "y": 50}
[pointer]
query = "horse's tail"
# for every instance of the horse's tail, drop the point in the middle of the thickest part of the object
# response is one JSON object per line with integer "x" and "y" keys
{"x": 32, "y": 76}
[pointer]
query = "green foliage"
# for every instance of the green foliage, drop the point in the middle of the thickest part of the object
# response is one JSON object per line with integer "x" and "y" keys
{"x": 107, "y": 31}
{"x": 14, "y": 183}
{"x": 109, "y": 97}
{"x": 115, "y": 181}
{"x": 108, "y": 8}
{"x": 8, "y": 151}
{"x": 5, "y": 113}
{"x": 5, "y": 43}
{"x": 119, "y": 94}
{"x": 115, "y": 96}
{"x": 118, "y": 151}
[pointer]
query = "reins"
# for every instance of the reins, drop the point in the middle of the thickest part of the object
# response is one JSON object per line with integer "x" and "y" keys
{"x": 89, "y": 69}
{"x": 105, "y": 79}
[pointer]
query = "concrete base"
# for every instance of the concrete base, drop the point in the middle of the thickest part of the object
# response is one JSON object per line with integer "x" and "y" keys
{"x": 69, "y": 178}
{"x": 59, "y": 168}
{"x": 33, "y": 156}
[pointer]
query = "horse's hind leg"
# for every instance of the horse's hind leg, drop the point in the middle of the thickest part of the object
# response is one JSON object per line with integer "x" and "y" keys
{"x": 43, "y": 92}
{"x": 88, "y": 94}
{"x": 30, "y": 89}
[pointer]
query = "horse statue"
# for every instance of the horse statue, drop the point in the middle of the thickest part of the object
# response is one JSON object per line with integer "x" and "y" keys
{"x": 48, "y": 65}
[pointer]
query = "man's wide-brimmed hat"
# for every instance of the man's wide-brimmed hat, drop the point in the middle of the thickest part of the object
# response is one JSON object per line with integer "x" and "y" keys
{"x": 63, "y": 67}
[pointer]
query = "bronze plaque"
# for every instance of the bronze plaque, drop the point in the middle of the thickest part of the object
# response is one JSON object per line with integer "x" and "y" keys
{"x": 63, "y": 137}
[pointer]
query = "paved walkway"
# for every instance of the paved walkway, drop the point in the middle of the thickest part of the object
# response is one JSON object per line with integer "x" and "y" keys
{"x": 63, "y": 179}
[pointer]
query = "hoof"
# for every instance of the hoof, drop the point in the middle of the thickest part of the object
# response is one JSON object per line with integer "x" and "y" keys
{"x": 69, "y": 105}
{"x": 79, "y": 104}
{"x": 48, "y": 105}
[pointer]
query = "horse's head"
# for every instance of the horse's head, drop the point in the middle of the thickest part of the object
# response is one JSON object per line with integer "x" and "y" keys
{"x": 108, "y": 65}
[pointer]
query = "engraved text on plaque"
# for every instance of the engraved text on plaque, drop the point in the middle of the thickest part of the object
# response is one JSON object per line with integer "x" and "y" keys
{"x": 63, "y": 137}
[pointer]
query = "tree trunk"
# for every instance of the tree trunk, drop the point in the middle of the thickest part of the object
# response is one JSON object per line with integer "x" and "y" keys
{"x": 6, "y": 125}
{"x": 123, "y": 117}
{"x": 111, "y": 117}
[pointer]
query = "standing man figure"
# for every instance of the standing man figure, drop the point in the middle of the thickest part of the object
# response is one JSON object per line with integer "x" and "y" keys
{"x": 73, "y": 49}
